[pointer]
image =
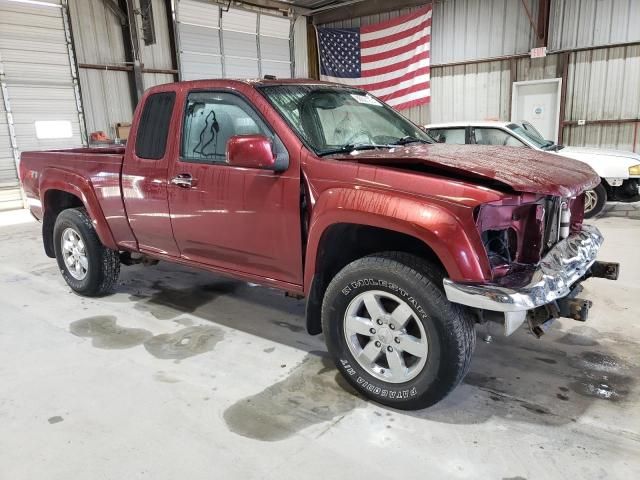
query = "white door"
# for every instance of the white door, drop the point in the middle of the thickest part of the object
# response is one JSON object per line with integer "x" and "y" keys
{"x": 538, "y": 102}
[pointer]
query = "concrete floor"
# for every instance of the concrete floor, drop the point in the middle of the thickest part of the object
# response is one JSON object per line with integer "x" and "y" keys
{"x": 182, "y": 374}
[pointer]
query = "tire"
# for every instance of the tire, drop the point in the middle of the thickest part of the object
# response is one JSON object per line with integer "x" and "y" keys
{"x": 396, "y": 279}
{"x": 102, "y": 264}
{"x": 593, "y": 205}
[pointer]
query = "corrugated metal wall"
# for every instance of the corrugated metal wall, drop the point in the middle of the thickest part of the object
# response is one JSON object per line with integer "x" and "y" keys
{"x": 234, "y": 43}
{"x": 474, "y": 29}
{"x": 159, "y": 54}
{"x": 38, "y": 82}
{"x": 98, "y": 39}
{"x": 602, "y": 84}
{"x": 591, "y": 23}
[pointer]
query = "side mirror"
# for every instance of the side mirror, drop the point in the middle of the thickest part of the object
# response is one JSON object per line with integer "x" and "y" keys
{"x": 251, "y": 151}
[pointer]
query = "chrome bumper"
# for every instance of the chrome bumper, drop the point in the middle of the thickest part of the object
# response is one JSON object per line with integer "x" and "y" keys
{"x": 567, "y": 262}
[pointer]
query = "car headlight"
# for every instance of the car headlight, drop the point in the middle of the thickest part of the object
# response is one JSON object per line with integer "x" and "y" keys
{"x": 634, "y": 170}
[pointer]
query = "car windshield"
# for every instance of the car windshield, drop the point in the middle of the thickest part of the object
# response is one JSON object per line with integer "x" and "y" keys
{"x": 333, "y": 119}
{"x": 529, "y": 132}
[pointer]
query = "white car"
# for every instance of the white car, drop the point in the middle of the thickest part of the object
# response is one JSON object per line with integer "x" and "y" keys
{"x": 619, "y": 170}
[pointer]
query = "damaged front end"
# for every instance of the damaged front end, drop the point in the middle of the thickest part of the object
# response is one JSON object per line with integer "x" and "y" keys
{"x": 539, "y": 252}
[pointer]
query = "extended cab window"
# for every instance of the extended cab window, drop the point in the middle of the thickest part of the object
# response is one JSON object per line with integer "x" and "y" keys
{"x": 495, "y": 136}
{"x": 211, "y": 118}
{"x": 455, "y": 136}
{"x": 151, "y": 139}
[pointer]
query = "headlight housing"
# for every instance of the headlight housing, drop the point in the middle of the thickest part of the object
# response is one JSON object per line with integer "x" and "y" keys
{"x": 634, "y": 170}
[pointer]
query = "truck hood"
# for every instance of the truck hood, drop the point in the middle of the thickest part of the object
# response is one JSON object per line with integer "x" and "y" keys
{"x": 520, "y": 169}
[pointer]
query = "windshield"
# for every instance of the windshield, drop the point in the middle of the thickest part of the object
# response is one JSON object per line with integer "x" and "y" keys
{"x": 336, "y": 119}
{"x": 528, "y": 131}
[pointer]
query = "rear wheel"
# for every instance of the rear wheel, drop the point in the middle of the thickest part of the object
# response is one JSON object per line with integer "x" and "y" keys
{"x": 393, "y": 334}
{"x": 594, "y": 201}
{"x": 88, "y": 267}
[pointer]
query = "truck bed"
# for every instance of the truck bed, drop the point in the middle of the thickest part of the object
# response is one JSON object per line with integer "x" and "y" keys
{"x": 98, "y": 169}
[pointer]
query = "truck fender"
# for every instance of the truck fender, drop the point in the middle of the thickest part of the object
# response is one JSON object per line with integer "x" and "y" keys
{"x": 433, "y": 224}
{"x": 80, "y": 187}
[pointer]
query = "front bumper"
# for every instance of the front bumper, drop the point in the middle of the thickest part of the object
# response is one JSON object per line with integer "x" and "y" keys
{"x": 552, "y": 279}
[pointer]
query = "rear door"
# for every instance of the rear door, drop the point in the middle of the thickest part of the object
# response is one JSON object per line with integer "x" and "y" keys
{"x": 241, "y": 219}
{"x": 144, "y": 174}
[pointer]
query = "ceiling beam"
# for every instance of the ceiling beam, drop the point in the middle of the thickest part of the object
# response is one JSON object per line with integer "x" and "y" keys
{"x": 361, "y": 9}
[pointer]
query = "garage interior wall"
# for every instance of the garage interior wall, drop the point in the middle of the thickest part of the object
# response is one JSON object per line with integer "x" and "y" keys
{"x": 479, "y": 47}
{"x": 40, "y": 102}
{"x": 216, "y": 42}
{"x": 99, "y": 40}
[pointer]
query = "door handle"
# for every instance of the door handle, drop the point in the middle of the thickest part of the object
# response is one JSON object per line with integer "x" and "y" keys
{"x": 183, "y": 180}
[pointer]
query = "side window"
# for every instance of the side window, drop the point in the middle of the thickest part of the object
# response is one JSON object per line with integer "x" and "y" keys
{"x": 211, "y": 118}
{"x": 151, "y": 138}
{"x": 455, "y": 136}
{"x": 495, "y": 136}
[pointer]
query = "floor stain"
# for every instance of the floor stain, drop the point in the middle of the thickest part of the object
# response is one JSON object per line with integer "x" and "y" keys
{"x": 56, "y": 419}
{"x": 550, "y": 361}
{"x": 106, "y": 333}
{"x": 581, "y": 336}
{"x": 269, "y": 350}
{"x": 184, "y": 343}
{"x": 163, "y": 377}
{"x": 166, "y": 303}
{"x": 309, "y": 395}
{"x": 289, "y": 326}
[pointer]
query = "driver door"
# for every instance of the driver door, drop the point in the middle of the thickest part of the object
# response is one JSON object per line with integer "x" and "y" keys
{"x": 239, "y": 219}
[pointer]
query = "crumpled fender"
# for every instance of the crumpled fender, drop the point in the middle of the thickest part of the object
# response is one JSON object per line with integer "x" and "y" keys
{"x": 442, "y": 229}
{"x": 60, "y": 179}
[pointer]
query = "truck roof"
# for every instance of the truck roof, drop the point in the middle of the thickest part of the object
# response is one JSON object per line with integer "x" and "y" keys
{"x": 204, "y": 83}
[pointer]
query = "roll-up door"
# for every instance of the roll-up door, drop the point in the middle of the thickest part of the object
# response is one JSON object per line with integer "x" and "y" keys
{"x": 216, "y": 43}
{"x": 38, "y": 86}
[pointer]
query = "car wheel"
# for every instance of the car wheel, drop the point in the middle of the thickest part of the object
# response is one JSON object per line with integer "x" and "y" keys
{"x": 594, "y": 201}
{"x": 87, "y": 266}
{"x": 392, "y": 332}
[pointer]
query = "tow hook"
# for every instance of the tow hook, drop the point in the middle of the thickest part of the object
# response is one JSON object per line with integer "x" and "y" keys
{"x": 541, "y": 319}
{"x": 608, "y": 270}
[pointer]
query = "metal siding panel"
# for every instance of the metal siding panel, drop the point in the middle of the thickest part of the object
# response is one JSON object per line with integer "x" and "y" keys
{"x": 197, "y": 13}
{"x": 194, "y": 67}
{"x": 590, "y": 23}
{"x": 197, "y": 39}
{"x": 300, "y": 54}
{"x": 239, "y": 21}
{"x": 159, "y": 54}
{"x": 106, "y": 99}
{"x": 272, "y": 48}
{"x": 275, "y": 26}
{"x": 536, "y": 68}
{"x": 239, "y": 44}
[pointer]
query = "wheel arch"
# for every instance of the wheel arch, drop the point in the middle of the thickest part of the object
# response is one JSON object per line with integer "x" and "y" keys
{"x": 60, "y": 190}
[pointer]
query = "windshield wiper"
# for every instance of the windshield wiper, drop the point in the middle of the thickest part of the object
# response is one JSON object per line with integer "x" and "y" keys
{"x": 409, "y": 139}
{"x": 350, "y": 147}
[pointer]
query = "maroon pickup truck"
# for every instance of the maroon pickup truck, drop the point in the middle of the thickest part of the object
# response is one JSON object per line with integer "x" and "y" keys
{"x": 399, "y": 245}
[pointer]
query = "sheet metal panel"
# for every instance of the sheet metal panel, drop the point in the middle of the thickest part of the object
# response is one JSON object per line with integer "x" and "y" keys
{"x": 589, "y": 23}
{"x": 38, "y": 79}
{"x": 251, "y": 44}
{"x": 98, "y": 39}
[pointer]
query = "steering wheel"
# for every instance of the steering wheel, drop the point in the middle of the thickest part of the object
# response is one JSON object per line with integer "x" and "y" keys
{"x": 357, "y": 134}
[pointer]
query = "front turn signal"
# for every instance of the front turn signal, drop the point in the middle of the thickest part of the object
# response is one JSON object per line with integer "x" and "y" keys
{"x": 634, "y": 170}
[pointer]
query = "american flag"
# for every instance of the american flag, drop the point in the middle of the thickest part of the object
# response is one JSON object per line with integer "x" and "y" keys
{"x": 389, "y": 59}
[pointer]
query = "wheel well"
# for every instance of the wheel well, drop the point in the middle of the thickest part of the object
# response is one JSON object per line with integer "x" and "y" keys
{"x": 55, "y": 201}
{"x": 343, "y": 243}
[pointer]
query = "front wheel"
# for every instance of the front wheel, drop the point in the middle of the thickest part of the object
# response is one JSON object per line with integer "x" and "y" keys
{"x": 393, "y": 334}
{"x": 594, "y": 201}
{"x": 88, "y": 267}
